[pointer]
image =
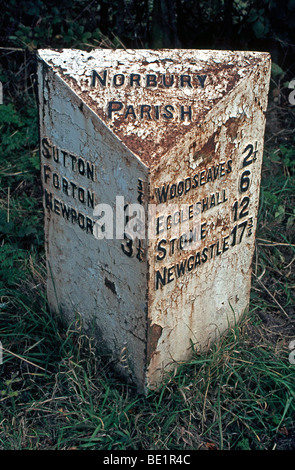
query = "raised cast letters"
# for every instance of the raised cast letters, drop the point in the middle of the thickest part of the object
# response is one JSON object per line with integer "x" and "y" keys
{"x": 148, "y": 112}
{"x": 148, "y": 80}
{"x": 173, "y": 190}
{"x": 239, "y": 214}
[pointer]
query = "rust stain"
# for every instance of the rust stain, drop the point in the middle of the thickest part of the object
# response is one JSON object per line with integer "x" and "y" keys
{"x": 154, "y": 334}
{"x": 233, "y": 124}
{"x": 207, "y": 150}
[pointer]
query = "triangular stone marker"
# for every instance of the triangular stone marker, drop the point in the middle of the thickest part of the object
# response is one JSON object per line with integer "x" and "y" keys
{"x": 151, "y": 162}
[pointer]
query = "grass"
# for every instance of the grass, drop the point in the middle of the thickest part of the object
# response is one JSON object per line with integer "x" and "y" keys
{"x": 58, "y": 392}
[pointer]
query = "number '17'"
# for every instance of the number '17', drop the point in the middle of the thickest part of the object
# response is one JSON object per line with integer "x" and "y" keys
{"x": 243, "y": 226}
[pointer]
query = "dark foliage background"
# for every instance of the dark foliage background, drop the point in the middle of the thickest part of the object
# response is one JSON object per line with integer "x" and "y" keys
{"x": 259, "y": 24}
{"x": 267, "y": 25}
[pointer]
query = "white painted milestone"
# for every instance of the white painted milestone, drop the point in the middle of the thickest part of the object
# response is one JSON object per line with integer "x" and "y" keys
{"x": 150, "y": 164}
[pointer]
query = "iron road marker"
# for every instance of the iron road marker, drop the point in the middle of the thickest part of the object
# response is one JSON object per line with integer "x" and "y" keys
{"x": 151, "y": 166}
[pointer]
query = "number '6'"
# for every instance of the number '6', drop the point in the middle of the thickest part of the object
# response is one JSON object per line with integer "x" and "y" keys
{"x": 245, "y": 181}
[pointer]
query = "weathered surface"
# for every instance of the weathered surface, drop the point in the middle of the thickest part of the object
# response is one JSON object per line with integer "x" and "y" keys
{"x": 197, "y": 79}
{"x": 87, "y": 277}
{"x": 181, "y": 134}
